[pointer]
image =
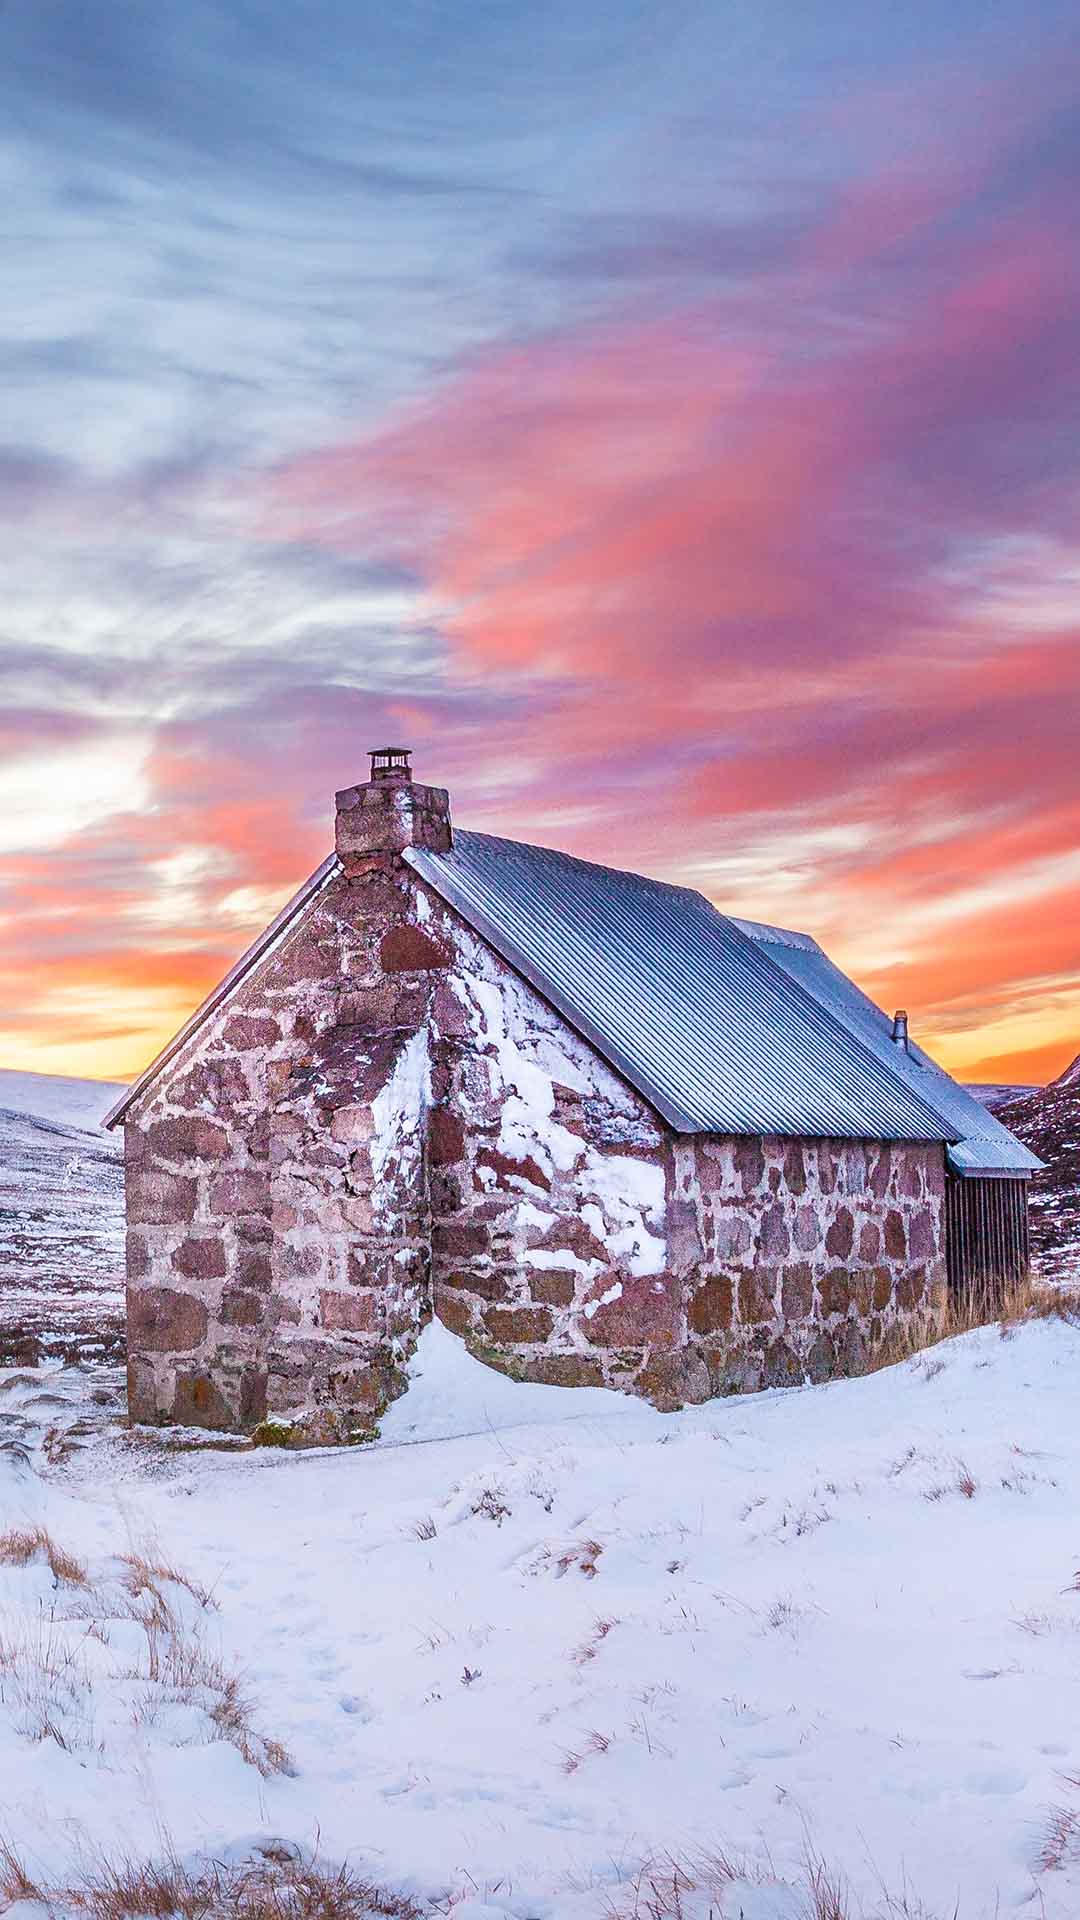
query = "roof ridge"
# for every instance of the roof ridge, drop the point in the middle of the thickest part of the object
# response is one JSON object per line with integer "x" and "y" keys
{"x": 576, "y": 860}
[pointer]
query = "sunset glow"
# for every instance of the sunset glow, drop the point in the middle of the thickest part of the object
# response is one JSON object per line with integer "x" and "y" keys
{"x": 679, "y": 450}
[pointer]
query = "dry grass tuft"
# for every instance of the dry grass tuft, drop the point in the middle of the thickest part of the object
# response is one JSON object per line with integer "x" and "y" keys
{"x": 146, "y": 1576}
{"x": 963, "y": 1482}
{"x": 595, "y": 1743}
{"x": 1008, "y": 1307}
{"x": 826, "y": 1895}
{"x": 1041, "y": 1625}
{"x": 184, "y": 1672}
{"x": 15, "y": 1882}
{"x": 21, "y": 1546}
{"x": 587, "y": 1649}
{"x": 50, "y": 1671}
{"x": 45, "y": 1678}
{"x": 668, "y": 1888}
{"x": 1060, "y": 1836}
{"x": 490, "y": 1503}
{"x": 582, "y": 1554}
{"x": 784, "y": 1616}
{"x": 1034, "y": 1300}
{"x": 661, "y": 1888}
{"x": 278, "y": 1888}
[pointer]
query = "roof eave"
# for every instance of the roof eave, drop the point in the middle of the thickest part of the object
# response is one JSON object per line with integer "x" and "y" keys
{"x": 248, "y": 960}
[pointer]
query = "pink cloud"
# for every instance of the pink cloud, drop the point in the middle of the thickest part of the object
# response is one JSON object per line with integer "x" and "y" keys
{"x": 743, "y": 547}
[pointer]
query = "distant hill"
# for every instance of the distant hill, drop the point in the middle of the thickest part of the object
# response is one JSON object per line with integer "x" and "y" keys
{"x": 1048, "y": 1121}
{"x": 994, "y": 1095}
{"x": 61, "y": 1219}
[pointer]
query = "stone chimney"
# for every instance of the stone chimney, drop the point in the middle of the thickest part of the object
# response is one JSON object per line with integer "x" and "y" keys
{"x": 390, "y": 812}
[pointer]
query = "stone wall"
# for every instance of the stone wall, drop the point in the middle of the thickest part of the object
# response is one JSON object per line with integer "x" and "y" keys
{"x": 800, "y": 1257}
{"x": 277, "y": 1238}
{"x": 384, "y": 1118}
{"x": 575, "y": 1240}
{"x": 548, "y": 1186}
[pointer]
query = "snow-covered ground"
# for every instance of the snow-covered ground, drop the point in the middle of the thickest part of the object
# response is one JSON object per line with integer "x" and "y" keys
{"x": 536, "y": 1634}
{"x": 61, "y": 1217}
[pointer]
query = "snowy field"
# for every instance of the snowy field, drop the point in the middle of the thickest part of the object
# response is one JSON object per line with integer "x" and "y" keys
{"x": 536, "y": 1636}
{"x": 61, "y": 1218}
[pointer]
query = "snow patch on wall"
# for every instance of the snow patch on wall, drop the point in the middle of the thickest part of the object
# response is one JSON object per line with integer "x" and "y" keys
{"x": 612, "y": 1293}
{"x": 631, "y": 1216}
{"x": 399, "y": 1108}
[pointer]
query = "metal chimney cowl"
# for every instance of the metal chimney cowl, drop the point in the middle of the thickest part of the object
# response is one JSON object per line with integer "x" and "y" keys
{"x": 389, "y": 812}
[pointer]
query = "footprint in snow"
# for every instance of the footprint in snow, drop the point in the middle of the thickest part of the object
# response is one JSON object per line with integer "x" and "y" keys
{"x": 1005, "y": 1780}
{"x": 352, "y": 1703}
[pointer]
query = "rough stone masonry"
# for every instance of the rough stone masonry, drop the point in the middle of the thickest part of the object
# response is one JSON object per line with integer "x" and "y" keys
{"x": 382, "y": 1121}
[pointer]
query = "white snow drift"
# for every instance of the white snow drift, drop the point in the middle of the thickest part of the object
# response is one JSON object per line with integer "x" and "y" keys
{"x": 537, "y": 1635}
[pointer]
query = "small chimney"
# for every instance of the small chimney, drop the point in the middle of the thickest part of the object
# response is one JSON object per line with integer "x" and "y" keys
{"x": 390, "y": 812}
{"x": 391, "y": 763}
{"x": 899, "y": 1029}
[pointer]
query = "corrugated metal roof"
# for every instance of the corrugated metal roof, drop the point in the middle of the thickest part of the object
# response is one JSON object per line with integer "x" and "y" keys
{"x": 984, "y": 1147}
{"x": 689, "y": 1008}
{"x": 723, "y": 1025}
{"x": 278, "y": 927}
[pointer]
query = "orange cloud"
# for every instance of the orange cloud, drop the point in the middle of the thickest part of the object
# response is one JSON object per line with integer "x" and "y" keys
{"x": 758, "y": 594}
{"x": 749, "y": 549}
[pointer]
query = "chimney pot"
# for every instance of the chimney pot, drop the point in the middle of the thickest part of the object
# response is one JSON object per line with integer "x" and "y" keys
{"x": 389, "y": 812}
{"x": 899, "y": 1028}
{"x": 390, "y": 763}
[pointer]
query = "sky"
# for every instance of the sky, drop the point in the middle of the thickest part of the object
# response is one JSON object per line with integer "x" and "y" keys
{"x": 664, "y": 418}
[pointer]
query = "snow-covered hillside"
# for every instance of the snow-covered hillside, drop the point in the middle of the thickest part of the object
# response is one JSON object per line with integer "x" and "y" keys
{"x": 995, "y": 1094}
{"x": 510, "y": 1666}
{"x": 52, "y": 1096}
{"x": 1048, "y": 1121}
{"x": 61, "y": 1217}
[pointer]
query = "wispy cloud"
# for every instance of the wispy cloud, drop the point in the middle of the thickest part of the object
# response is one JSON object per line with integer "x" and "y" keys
{"x": 669, "y": 424}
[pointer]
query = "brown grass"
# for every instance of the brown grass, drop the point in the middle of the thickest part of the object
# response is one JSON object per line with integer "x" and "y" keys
{"x": 21, "y": 1546}
{"x": 661, "y": 1886}
{"x": 182, "y": 1669}
{"x": 1034, "y": 1300}
{"x": 662, "y": 1889}
{"x": 826, "y": 1895}
{"x": 1021, "y": 1301}
{"x": 145, "y": 1575}
{"x": 490, "y": 1503}
{"x": 49, "y": 1678}
{"x": 15, "y": 1882}
{"x": 45, "y": 1677}
{"x": 281, "y": 1888}
{"x": 587, "y": 1649}
{"x": 595, "y": 1743}
{"x": 1060, "y": 1836}
{"x": 582, "y": 1554}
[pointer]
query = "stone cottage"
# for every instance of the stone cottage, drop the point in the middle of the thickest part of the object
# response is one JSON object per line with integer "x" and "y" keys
{"x": 606, "y": 1133}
